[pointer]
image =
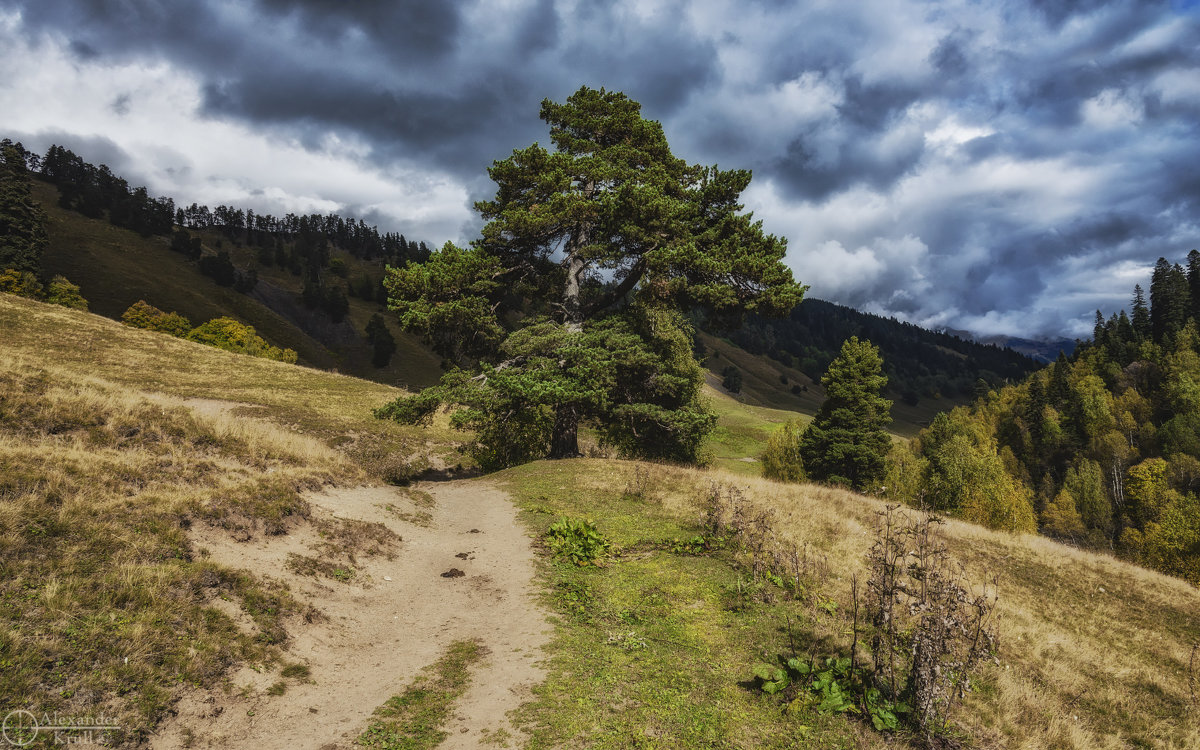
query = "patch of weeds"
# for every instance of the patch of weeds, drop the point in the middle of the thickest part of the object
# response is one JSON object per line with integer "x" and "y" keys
{"x": 628, "y": 640}
{"x": 268, "y": 505}
{"x": 396, "y": 464}
{"x": 279, "y": 688}
{"x": 299, "y": 672}
{"x": 744, "y": 593}
{"x": 829, "y": 686}
{"x": 420, "y": 498}
{"x": 578, "y": 541}
{"x": 344, "y": 537}
{"x": 696, "y": 545}
{"x": 311, "y": 566}
{"x": 414, "y": 719}
{"x": 573, "y": 597}
{"x": 498, "y": 737}
{"x": 421, "y": 518}
{"x": 638, "y": 487}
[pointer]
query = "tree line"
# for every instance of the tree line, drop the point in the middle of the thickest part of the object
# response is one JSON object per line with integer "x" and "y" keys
{"x": 304, "y": 245}
{"x": 1101, "y": 449}
{"x": 23, "y": 236}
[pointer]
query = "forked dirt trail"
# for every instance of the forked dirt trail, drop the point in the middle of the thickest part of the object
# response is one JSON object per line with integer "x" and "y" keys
{"x": 379, "y": 630}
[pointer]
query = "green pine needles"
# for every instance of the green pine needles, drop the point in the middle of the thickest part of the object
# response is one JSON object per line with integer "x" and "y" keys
{"x": 568, "y": 310}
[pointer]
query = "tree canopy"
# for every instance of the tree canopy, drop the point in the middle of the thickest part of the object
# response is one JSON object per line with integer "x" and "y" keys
{"x": 568, "y": 307}
{"x": 1100, "y": 449}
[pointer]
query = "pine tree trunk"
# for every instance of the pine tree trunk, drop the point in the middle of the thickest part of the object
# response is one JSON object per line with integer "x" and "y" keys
{"x": 564, "y": 443}
{"x": 572, "y": 306}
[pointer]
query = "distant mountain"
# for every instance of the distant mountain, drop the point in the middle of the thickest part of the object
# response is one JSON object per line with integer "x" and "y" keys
{"x": 1042, "y": 350}
{"x": 921, "y": 365}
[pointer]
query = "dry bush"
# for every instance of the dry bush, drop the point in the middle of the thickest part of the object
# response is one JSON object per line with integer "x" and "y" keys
{"x": 930, "y": 630}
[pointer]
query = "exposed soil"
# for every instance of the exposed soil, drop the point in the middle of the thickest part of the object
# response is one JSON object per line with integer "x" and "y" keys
{"x": 380, "y": 628}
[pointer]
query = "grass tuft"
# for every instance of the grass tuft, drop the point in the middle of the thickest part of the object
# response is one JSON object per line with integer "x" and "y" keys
{"x": 414, "y": 719}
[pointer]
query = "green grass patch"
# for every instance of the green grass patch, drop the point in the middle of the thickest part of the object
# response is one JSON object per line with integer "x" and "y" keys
{"x": 656, "y": 647}
{"x": 414, "y": 719}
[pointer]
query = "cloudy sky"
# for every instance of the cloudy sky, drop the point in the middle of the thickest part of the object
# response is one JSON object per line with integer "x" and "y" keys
{"x": 1002, "y": 166}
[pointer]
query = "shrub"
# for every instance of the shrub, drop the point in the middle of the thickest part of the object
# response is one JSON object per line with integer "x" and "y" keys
{"x": 782, "y": 459}
{"x": 143, "y": 315}
{"x": 230, "y": 335}
{"x": 20, "y": 283}
{"x": 63, "y": 292}
{"x": 930, "y": 630}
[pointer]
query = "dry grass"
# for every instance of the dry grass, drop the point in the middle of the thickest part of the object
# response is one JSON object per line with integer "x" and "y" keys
{"x": 330, "y": 408}
{"x": 1094, "y": 651}
{"x": 113, "y": 444}
{"x": 107, "y": 607}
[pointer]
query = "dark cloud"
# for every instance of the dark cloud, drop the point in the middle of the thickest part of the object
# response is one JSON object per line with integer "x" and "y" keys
{"x": 95, "y": 149}
{"x": 404, "y": 30}
{"x": 1006, "y": 140}
{"x": 120, "y": 105}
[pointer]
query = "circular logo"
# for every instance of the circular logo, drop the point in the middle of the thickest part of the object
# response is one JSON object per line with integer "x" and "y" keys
{"x": 20, "y": 728}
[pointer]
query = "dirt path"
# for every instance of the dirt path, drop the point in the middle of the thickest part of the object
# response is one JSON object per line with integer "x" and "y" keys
{"x": 396, "y": 617}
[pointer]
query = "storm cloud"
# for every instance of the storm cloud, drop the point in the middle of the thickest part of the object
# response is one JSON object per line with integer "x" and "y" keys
{"x": 998, "y": 167}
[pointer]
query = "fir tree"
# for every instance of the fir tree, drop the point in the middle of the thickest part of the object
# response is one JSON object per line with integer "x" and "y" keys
{"x": 1169, "y": 303}
{"x": 1141, "y": 314}
{"x": 847, "y": 443}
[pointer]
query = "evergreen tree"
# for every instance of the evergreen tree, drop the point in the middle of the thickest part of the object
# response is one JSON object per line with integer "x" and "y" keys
{"x": 588, "y": 253}
{"x": 383, "y": 345}
{"x": 1169, "y": 303}
{"x": 22, "y": 222}
{"x": 731, "y": 379}
{"x": 1141, "y": 314}
{"x": 1193, "y": 277}
{"x": 847, "y": 443}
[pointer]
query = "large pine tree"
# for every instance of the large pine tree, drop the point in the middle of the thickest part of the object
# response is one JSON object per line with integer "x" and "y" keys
{"x": 1169, "y": 303}
{"x": 570, "y": 303}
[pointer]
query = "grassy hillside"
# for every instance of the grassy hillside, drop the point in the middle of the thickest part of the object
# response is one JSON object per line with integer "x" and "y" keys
{"x": 763, "y": 385}
{"x": 655, "y": 648}
{"x": 116, "y": 267}
{"x": 115, "y": 442}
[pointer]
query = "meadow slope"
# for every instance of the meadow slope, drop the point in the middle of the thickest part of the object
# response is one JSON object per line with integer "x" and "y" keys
{"x": 138, "y": 467}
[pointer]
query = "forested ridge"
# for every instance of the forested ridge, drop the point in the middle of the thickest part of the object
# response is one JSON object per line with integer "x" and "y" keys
{"x": 919, "y": 363}
{"x": 330, "y": 258}
{"x": 1101, "y": 449}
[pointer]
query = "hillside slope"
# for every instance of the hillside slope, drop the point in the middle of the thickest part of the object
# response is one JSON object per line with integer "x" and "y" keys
{"x": 121, "y": 448}
{"x": 116, "y": 267}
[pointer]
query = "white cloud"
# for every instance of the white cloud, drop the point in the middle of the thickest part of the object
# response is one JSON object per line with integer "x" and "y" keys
{"x": 1112, "y": 108}
{"x": 193, "y": 158}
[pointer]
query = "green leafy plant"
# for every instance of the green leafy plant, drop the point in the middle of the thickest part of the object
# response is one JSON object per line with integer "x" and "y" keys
{"x": 829, "y": 686}
{"x": 696, "y": 545}
{"x": 577, "y": 540}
